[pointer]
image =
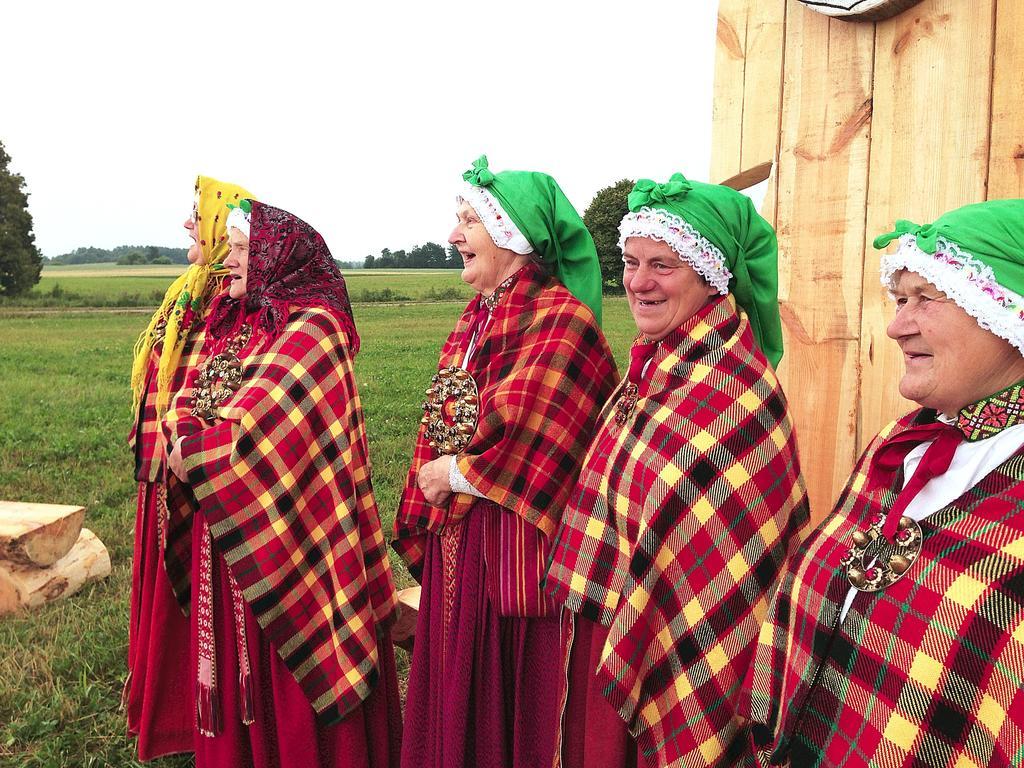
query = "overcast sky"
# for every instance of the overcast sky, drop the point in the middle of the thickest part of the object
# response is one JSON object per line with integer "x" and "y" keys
{"x": 359, "y": 117}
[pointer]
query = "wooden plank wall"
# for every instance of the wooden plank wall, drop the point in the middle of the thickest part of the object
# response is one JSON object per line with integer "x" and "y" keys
{"x": 869, "y": 123}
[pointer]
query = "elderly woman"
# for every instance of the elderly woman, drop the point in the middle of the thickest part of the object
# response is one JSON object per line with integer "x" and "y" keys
{"x": 157, "y": 696}
{"x": 896, "y": 635}
{"x": 689, "y": 495}
{"x": 273, "y": 522}
{"x": 519, "y": 385}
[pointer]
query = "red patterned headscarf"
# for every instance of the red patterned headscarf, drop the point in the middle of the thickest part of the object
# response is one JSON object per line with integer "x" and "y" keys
{"x": 289, "y": 266}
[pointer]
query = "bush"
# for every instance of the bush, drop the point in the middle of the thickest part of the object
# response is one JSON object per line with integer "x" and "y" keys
{"x": 378, "y": 295}
{"x": 448, "y": 293}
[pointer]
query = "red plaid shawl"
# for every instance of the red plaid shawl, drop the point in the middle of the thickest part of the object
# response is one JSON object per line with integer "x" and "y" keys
{"x": 675, "y": 533}
{"x": 283, "y": 479}
{"x": 543, "y": 369}
{"x": 145, "y": 439}
{"x": 926, "y": 673}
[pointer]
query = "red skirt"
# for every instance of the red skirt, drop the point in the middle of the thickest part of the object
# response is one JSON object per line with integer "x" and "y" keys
{"x": 483, "y": 688}
{"x": 158, "y": 696}
{"x": 285, "y": 731}
{"x": 593, "y": 735}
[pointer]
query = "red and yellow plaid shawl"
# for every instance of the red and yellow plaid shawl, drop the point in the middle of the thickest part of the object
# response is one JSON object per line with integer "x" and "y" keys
{"x": 674, "y": 535}
{"x": 927, "y": 673}
{"x": 145, "y": 439}
{"x": 283, "y": 479}
{"x": 543, "y": 369}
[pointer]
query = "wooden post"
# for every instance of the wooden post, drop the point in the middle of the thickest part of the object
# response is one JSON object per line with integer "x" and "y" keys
{"x": 903, "y": 118}
{"x": 1006, "y": 157}
{"x": 822, "y": 191}
{"x": 727, "y": 109}
{"x": 929, "y": 153}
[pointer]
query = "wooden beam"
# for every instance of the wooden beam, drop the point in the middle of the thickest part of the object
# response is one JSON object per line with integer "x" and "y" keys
{"x": 748, "y": 178}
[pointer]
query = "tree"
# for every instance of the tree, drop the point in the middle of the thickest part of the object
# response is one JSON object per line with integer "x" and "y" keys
{"x": 20, "y": 260}
{"x": 433, "y": 254}
{"x": 131, "y": 258}
{"x": 602, "y": 219}
{"x": 452, "y": 258}
{"x": 368, "y": 263}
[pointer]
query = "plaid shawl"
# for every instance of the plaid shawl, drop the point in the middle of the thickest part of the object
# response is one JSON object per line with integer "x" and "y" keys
{"x": 543, "y": 369}
{"x": 928, "y": 672}
{"x": 283, "y": 479}
{"x": 144, "y": 439}
{"x": 675, "y": 532}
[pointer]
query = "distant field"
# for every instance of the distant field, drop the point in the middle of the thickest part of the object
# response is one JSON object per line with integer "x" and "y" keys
{"x": 64, "y": 413}
{"x": 114, "y": 270}
{"x": 110, "y": 285}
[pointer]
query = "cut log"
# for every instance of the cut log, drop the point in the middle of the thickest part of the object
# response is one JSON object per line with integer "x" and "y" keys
{"x": 404, "y": 631}
{"x": 38, "y": 534}
{"x": 25, "y": 586}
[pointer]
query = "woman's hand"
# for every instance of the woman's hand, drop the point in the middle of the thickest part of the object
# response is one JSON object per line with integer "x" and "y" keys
{"x": 175, "y": 463}
{"x": 433, "y": 480}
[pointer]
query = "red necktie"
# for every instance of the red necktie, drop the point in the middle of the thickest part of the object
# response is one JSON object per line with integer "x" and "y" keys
{"x": 639, "y": 356}
{"x": 935, "y": 461}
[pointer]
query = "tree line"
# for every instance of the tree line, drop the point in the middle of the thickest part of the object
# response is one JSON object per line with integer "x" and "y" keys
{"x": 21, "y": 262}
{"x": 122, "y": 254}
{"x": 426, "y": 256}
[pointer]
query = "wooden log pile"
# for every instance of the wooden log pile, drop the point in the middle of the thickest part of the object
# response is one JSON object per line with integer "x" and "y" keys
{"x": 46, "y": 554}
{"x": 403, "y": 633}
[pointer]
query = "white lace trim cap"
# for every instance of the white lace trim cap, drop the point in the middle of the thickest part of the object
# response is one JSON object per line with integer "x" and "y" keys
{"x": 693, "y": 248}
{"x": 969, "y": 282}
{"x": 496, "y": 221}
{"x": 240, "y": 220}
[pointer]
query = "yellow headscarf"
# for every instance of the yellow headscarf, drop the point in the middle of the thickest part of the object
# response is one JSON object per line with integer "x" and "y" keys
{"x": 186, "y": 298}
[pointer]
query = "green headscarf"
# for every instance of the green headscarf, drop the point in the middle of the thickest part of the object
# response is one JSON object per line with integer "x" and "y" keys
{"x": 543, "y": 215}
{"x": 975, "y": 255}
{"x": 717, "y": 231}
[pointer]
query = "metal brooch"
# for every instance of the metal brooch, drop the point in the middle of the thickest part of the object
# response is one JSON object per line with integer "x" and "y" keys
{"x": 626, "y": 402}
{"x": 873, "y": 563}
{"x": 451, "y": 410}
{"x": 219, "y": 378}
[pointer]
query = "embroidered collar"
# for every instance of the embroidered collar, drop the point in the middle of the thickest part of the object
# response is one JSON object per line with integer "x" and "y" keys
{"x": 991, "y": 415}
{"x": 490, "y": 302}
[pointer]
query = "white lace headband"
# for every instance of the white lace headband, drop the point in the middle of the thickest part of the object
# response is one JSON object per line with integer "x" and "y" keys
{"x": 967, "y": 281}
{"x": 691, "y": 246}
{"x": 496, "y": 221}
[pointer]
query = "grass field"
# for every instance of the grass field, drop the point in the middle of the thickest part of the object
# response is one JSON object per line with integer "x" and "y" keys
{"x": 110, "y": 285}
{"x": 64, "y": 413}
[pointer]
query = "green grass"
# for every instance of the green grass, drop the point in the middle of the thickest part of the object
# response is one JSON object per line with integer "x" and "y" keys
{"x": 109, "y": 285}
{"x": 64, "y": 414}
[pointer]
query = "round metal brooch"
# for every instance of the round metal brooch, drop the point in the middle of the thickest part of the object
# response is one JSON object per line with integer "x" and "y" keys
{"x": 219, "y": 378}
{"x": 451, "y": 410}
{"x": 873, "y": 563}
